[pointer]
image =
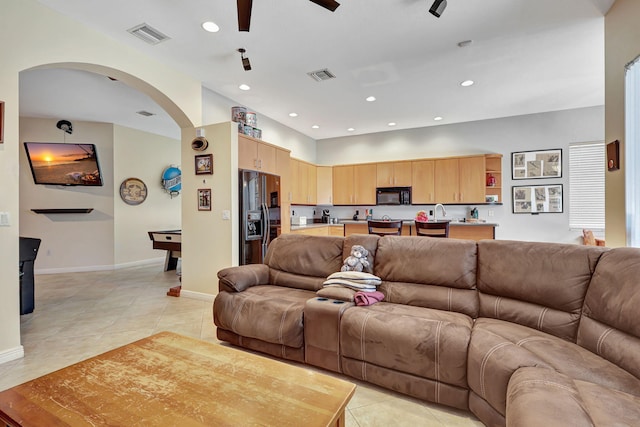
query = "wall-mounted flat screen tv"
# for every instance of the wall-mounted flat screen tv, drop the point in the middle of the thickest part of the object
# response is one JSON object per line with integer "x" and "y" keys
{"x": 55, "y": 163}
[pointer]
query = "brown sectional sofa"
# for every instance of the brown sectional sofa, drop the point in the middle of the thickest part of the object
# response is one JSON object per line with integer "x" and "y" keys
{"x": 519, "y": 333}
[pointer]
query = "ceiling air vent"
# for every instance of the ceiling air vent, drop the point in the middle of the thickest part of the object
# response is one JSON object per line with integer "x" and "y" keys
{"x": 145, "y": 113}
{"x": 321, "y": 75}
{"x": 148, "y": 34}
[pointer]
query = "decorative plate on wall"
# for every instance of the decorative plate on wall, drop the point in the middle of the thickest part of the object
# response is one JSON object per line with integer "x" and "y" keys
{"x": 133, "y": 191}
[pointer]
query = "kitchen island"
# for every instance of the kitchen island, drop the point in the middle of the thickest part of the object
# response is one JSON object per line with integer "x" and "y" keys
{"x": 457, "y": 230}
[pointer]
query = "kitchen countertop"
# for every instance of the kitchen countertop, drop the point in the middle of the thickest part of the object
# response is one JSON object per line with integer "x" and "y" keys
{"x": 412, "y": 222}
{"x": 315, "y": 225}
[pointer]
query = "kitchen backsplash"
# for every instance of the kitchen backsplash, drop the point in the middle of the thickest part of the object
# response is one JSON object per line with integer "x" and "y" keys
{"x": 454, "y": 212}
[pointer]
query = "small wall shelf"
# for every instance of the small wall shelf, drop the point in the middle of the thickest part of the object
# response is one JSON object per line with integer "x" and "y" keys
{"x": 63, "y": 211}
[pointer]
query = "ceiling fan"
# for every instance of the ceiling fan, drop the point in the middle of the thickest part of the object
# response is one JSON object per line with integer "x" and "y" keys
{"x": 244, "y": 11}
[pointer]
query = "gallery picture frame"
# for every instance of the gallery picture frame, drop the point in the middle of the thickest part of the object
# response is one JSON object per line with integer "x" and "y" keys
{"x": 535, "y": 199}
{"x": 536, "y": 164}
{"x": 204, "y": 164}
{"x": 204, "y": 199}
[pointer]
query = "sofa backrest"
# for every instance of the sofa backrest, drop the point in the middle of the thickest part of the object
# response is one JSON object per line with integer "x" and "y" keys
{"x": 368, "y": 241}
{"x": 428, "y": 272}
{"x": 609, "y": 326}
{"x": 303, "y": 262}
{"x": 539, "y": 285}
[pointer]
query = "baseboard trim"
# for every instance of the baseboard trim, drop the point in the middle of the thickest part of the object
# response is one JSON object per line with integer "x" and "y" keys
{"x": 11, "y": 354}
{"x": 90, "y": 268}
{"x": 197, "y": 295}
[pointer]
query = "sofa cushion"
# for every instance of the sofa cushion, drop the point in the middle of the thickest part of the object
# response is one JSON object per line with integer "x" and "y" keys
{"x": 425, "y": 272}
{"x": 499, "y": 348}
{"x": 541, "y": 397}
{"x": 420, "y": 341}
{"x": 610, "y": 324}
{"x": 539, "y": 285}
{"x": 268, "y": 313}
{"x": 293, "y": 255}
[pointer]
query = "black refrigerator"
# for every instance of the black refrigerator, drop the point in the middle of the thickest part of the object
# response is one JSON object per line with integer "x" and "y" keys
{"x": 260, "y": 214}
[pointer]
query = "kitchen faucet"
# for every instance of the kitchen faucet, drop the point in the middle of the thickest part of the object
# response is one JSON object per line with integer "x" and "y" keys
{"x": 435, "y": 211}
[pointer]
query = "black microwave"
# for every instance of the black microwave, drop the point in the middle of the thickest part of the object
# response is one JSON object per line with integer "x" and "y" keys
{"x": 393, "y": 196}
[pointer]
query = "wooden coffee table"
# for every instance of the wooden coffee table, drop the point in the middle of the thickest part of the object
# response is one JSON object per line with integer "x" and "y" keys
{"x": 171, "y": 380}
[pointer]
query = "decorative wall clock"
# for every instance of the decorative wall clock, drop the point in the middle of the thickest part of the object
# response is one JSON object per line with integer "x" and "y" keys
{"x": 133, "y": 191}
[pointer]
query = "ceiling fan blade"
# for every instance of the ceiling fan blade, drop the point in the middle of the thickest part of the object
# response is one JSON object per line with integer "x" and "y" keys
{"x": 244, "y": 14}
{"x": 332, "y": 5}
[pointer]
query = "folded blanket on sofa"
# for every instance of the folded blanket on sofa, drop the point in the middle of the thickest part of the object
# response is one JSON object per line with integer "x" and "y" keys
{"x": 356, "y": 276}
{"x": 357, "y": 280}
{"x": 368, "y": 298}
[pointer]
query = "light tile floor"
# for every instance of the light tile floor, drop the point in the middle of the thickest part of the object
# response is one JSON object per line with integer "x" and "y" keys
{"x": 80, "y": 315}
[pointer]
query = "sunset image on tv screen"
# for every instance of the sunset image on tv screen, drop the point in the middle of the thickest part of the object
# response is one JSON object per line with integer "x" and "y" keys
{"x": 63, "y": 164}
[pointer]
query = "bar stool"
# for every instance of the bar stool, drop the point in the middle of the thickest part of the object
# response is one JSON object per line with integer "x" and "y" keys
{"x": 385, "y": 228}
{"x": 432, "y": 229}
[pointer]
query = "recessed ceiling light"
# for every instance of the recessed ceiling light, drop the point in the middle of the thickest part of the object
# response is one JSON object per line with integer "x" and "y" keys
{"x": 371, "y": 98}
{"x": 293, "y": 114}
{"x": 467, "y": 83}
{"x": 211, "y": 27}
{"x": 437, "y": 119}
{"x": 315, "y": 127}
{"x": 392, "y": 123}
{"x": 244, "y": 87}
{"x": 350, "y": 130}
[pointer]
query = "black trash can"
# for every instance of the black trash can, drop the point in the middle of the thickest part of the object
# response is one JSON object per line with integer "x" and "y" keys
{"x": 28, "y": 252}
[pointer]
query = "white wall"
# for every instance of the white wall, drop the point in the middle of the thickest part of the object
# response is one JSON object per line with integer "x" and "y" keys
{"x": 210, "y": 242}
{"x": 69, "y": 241}
{"x": 143, "y": 155}
{"x": 504, "y": 136}
{"x": 217, "y": 108}
{"x": 48, "y": 42}
{"x": 114, "y": 235}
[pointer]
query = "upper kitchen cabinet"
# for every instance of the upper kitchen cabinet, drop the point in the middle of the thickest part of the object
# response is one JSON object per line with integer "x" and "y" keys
{"x": 460, "y": 180}
{"x": 423, "y": 184}
{"x": 354, "y": 184}
{"x": 303, "y": 183}
{"x": 256, "y": 155}
{"x": 324, "y": 185}
{"x": 393, "y": 174}
{"x": 342, "y": 185}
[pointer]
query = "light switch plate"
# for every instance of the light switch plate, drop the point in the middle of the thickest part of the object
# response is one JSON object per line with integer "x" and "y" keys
{"x": 226, "y": 215}
{"x": 4, "y": 219}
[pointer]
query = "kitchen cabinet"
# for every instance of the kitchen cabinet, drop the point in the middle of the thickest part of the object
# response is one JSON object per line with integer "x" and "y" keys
{"x": 256, "y": 155}
{"x": 283, "y": 169}
{"x": 393, "y": 174}
{"x": 364, "y": 184}
{"x": 460, "y": 180}
{"x": 493, "y": 178}
{"x": 354, "y": 184}
{"x": 324, "y": 185}
{"x": 342, "y": 185}
{"x": 472, "y": 179}
{"x": 423, "y": 184}
{"x": 303, "y": 183}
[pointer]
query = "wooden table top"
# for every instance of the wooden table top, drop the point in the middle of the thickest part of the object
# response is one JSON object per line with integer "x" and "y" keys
{"x": 172, "y": 380}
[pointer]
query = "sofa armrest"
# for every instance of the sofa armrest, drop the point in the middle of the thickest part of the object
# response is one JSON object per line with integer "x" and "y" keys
{"x": 237, "y": 279}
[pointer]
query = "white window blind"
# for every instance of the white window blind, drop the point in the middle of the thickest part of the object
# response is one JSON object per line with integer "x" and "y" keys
{"x": 586, "y": 185}
{"x": 632, "y": 151}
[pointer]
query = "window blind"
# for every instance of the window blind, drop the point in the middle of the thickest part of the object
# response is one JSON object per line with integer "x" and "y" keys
{"x": 632, "y": 152}
{"x": 586, "y": 185}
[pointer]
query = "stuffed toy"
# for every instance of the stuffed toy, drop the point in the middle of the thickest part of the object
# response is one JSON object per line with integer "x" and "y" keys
{"x": 357, "y": 261}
